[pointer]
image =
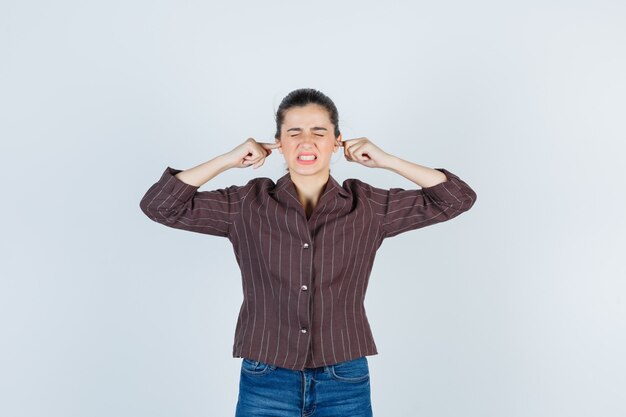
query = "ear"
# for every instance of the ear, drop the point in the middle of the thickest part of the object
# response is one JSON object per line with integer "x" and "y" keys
{"x": 280, "y": 149}
{"x": 337, "y": 143}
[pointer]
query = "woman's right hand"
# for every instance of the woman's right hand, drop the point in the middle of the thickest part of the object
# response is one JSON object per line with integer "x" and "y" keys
{"x": 251, "y": 152}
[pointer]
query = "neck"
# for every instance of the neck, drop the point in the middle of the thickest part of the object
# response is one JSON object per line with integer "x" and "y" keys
{"x": 309, "y": 187}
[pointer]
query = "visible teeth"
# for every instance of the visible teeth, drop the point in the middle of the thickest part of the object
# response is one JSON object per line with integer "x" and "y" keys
{"x": 307, "y": 157}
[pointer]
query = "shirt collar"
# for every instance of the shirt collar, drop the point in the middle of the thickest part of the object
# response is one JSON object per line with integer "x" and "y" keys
{"x": 331, "y": 189}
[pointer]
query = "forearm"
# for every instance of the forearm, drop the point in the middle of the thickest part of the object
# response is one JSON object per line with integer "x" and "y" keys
{"x": 419, "y": 174}
{"x": 204, "y": 172}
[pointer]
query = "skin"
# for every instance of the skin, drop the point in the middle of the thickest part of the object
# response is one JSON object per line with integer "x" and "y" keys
{"x": 308, "y": 129}
{"x": 303, "y": 131}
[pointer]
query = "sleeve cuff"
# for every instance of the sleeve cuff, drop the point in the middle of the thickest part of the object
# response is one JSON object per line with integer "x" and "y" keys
{"x": 175, "y": 187}
{"x": 445, "y": 190}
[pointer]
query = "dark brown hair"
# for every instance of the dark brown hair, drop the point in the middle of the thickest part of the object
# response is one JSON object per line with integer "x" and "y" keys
{"x": 301, "y": 97}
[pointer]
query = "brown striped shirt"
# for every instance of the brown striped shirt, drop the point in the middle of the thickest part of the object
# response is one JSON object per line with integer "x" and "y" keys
{"x": 304, "y": 281}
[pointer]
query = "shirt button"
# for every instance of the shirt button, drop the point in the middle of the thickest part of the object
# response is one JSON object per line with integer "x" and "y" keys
{"x": 305, "y": 246}
{"x": 304, "y": 288}
{"x": 303, "y": 330}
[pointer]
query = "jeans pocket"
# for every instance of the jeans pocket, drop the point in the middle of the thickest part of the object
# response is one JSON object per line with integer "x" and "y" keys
{"x": 257, "y": 368}
{"x": 355, "y": 370}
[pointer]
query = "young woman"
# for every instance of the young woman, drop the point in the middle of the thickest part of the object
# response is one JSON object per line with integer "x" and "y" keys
{"x": 305, "y": 245}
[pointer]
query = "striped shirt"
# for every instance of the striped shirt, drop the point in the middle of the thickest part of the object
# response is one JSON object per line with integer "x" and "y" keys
{"x": 304, "y": 280}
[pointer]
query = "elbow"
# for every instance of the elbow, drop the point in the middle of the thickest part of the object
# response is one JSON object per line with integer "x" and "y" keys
{"x": 471, "y": 194}
{"x": 147, "y": 208}
{"x": 463, "y": 203}
{"x": 469, "y": 200}
{"x": 143, "y": 207}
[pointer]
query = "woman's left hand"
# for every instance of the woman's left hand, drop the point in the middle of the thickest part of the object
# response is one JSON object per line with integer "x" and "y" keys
{"x": 363, "y": 151}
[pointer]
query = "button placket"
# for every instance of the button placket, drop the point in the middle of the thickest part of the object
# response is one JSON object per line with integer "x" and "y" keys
{"x": 304, "y": 329}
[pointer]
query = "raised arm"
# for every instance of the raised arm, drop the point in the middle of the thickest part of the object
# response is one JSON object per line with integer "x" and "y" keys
{"x": 442, "y": 197}
{"x": 249, "y": 153}
{"x": 363, "y": 151}
{"x": 174, "y": 200}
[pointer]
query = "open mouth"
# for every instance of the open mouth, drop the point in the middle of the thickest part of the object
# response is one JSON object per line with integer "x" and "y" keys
{"x": 307, "y": 157}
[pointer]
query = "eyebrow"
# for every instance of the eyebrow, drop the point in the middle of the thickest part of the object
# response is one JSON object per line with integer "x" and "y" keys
{"x": 313, "y": 128}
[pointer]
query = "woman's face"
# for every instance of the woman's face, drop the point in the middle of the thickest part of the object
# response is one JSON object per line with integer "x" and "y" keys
{"x": 307, "y": 140}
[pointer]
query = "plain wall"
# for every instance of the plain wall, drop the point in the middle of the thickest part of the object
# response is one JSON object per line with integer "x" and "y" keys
{"x": 106, "y": 313}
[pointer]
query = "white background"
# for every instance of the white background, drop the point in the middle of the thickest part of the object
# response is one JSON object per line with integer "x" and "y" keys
{"x": 516, "y": 308}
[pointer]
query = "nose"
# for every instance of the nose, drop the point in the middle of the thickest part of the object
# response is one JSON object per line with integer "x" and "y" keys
{"x": 307, "y": 139}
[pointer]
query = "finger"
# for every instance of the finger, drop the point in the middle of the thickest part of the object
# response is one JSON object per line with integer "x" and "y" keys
{"x": 252, "y": 157}
{"x": 357, "y": 149}
{"x": 270, "y": 145}
{"x": 364, "y": 156}
{"x": 350, "y": 149}
{"x": 346, "y": 154}
{"x": 255, "y": 154}
{"x": 259, "y": 163}
{"x": 361, "y": 153}
{"x": 249, "y": 163}
{"x": 350, "y": 142}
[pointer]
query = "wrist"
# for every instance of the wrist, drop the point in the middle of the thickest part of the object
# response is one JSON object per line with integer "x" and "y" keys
{"x": 389, "y": 161}
{"x": 225, "y": 161}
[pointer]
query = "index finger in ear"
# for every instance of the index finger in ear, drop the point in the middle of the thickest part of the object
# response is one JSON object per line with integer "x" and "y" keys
{"x": 270, "y": 145}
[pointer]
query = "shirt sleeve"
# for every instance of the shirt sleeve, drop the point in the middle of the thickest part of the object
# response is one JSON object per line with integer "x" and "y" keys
{"x": 174, "y": 203}
{"x": 411, "y": 209}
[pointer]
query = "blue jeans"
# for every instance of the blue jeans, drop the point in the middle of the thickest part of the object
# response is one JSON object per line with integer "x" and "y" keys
{"x": 340, "y": 390}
